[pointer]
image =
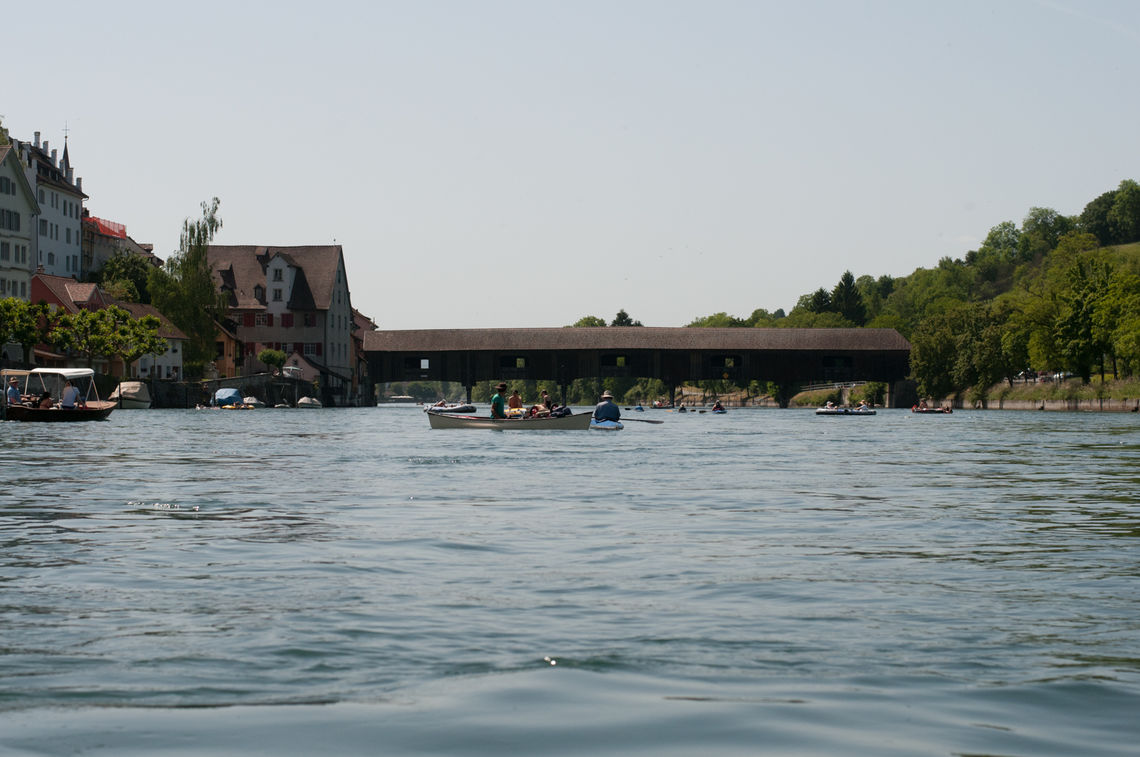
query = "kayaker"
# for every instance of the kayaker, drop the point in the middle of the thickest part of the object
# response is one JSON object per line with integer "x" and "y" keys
{"x": 606, "y": 410}
{"x": 498, "y": 404}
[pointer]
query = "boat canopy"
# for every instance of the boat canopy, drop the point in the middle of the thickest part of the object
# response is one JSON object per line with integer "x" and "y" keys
{"x": 227, "y": 396}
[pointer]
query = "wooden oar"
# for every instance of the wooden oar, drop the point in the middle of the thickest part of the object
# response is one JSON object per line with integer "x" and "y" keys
{"x": 640, "y": 420}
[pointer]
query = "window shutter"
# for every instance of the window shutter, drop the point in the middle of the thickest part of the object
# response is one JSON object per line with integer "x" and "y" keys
{"x": 318, "y": 349}
{"x": 247, "y": 321}
{"x": 269, "y": 319}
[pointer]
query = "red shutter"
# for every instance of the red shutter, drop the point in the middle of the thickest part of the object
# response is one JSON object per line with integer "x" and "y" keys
{"x": 247, "y": 321}
{"x": 318, "y": 349}
{"x": 286, "y": 320}
{"x": 269, "y": 319}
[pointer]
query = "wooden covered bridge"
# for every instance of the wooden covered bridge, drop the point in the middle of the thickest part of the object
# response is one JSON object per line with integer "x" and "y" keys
{"x": 789, "y": 357}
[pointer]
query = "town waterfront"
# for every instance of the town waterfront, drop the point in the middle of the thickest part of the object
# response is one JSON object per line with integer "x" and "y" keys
{"x": 180, "y": 582}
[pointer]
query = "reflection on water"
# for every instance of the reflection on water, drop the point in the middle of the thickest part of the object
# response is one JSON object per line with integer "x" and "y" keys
{"x": 767, "y": 580}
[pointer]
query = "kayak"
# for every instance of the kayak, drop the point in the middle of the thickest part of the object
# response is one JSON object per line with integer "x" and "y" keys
{"x": 597, "y": 425}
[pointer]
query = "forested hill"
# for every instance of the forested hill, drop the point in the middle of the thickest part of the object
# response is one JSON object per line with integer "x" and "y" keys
{"x": 1057, "y": 293}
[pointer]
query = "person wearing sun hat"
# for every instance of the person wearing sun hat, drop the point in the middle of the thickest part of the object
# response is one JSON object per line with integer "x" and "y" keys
{"x": 14, "y": 391}
{"x": 606, "y": 410}
{"x": 498, "y": 404}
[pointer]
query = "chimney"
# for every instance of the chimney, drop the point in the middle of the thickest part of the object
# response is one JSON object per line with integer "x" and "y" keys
{"x": 37, "y": 140}
{"x": 70, "y": 175}
{"x": 54, "y": 162}
{"x": 45, "y": 145}
{"x": 79, "y": 183}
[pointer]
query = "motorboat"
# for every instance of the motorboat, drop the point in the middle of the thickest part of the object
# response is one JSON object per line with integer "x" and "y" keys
{"x": 546, "y": 423}
{"x": 309, "y": 402}
{"x": 50, "y": 382}
{"x": 131, "y": 395}
{"x": 932, "y": 410}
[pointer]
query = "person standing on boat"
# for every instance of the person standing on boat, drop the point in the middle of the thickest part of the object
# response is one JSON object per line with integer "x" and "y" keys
{"x": 14, "y": 397}
{"x": 606, "y": 410}
{"x": 498, "y": 409}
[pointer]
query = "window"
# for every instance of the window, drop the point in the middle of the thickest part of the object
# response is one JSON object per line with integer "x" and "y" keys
{"x": 4, "y": 252}
{"x": 51, "y": 258}
{"x": 259, "y": 293}
{"x": 277, "y": 294}
{"x": 310, "y": 349}
{"x": 260, "y": 319}
{"x": 23, "y": 289}
{"x": 277, "y": 274}
{"x": 310, "y": 319}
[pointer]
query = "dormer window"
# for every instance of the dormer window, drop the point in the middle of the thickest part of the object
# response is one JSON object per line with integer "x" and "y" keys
{"x": 259, "y": 293}
{"x": 277, "y": 275}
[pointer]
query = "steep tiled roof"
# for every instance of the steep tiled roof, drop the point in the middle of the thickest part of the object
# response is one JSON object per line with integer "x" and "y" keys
{"x": 242, "y": 267}
{"x": 618, "y": 338}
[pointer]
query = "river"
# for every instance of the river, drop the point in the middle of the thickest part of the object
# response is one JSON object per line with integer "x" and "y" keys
{"x": 766, "y": 582}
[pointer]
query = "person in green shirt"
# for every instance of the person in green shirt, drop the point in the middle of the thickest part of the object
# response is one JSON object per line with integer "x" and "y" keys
{"x": 498, "y": 404}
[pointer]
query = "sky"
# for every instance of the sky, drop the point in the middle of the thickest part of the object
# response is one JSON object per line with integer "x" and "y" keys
{"x": 527, "y": 163}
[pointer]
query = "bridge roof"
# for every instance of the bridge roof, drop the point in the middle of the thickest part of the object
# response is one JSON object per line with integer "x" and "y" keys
{"x": 634, "y": 338}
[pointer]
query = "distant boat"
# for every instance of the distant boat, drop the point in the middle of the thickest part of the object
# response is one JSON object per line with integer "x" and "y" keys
{"x": 309, "y": 402}
{"x": 407, "y": 398}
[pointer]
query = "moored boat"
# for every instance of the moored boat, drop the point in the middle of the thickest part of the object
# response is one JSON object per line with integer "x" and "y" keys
{"x": 131, "y": 395}
{"x": 550, "y": 423}
{"x": 39, "y": 382}
{"x": 309, "y": 402}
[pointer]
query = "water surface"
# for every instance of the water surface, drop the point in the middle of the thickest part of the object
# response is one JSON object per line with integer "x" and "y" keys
{"x": 763, "y": 582}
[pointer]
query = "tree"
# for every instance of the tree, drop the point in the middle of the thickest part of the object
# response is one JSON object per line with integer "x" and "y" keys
{"x": 184, "y": 289}
{"x": 1094, "y": 218}
{"x": 1124, "y": 217}
{"x": 130, "y": 338}
{"x": 589, "y": 321}
{"x": 1041, "y": 230}
{"x": 846, "y": 300}
{"x": 717, "y": 320}
{"x": 622, "y": 319}
{"x": 125, "y": 272}
{"x": 23, "y": 323}
{"x": 273, "y": 358}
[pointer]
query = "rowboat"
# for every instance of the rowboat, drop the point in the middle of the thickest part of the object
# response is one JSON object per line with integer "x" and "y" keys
{"x": 596, "y": 425}
{"x": 39, "y": 381}
{"x": 565, "y": 422}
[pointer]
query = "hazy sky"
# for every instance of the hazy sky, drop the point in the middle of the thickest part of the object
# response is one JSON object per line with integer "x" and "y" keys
{"x": 495, "y": 164}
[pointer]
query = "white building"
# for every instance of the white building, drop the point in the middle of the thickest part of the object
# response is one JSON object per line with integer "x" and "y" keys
{"x": 60, "y": 197}
{"x": 18, "y": 212}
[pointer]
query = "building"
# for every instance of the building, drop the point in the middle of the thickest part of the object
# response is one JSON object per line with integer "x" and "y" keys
{"x": 292, "y": 299}
{"x": 57, "y": 245}
{"x": 103, "y": 240}
{"x": 18, "y": 212}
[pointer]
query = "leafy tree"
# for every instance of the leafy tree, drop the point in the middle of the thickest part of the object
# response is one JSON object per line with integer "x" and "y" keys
{"x": 125, "y": 272}
{"x": 273, "y": 358}
{"x": 622, "y": 319}
{"x": 819, "y": 301}
{"x": 23, "y": 323}
{"x": 1124, "y": 217}
{"x": 184, "y": 289}
{"x": 1041, "y": 230}
{"x": 1094, "y": 218}
{"x": 589, "y": 321}
{"x": 3, "y": 134}
{"x": 717, "y": 320}
{"x": 130, "y": 338}
{"x": 933, "y": 355}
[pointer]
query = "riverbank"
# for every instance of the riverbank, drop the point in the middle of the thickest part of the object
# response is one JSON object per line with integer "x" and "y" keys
{"x": 1068, "y": 395}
